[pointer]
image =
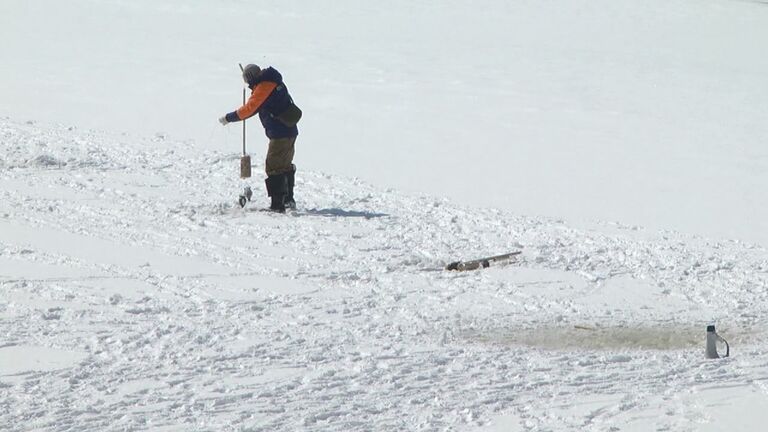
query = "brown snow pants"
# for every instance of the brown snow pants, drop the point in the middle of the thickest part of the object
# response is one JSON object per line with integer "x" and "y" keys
{"x": 280, "y": 156}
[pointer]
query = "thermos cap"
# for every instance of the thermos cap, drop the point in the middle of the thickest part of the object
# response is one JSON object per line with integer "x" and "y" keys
{"x": 711, "y": 328}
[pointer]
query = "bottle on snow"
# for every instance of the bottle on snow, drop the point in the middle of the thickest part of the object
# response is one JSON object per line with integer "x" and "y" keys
{"x": 712, "y": 339}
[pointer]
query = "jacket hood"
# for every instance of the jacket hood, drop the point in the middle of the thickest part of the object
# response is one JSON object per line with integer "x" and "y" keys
{"x": 270, "y": 74}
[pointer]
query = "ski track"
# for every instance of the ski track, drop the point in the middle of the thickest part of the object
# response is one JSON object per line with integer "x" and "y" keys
{"x": 193, "y": 314}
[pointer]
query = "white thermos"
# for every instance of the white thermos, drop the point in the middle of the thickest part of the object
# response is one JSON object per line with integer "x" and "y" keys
{"x": 712, "y": 339}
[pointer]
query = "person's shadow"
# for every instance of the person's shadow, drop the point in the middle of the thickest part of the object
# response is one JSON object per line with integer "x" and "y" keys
{"x": 335, "y": 212}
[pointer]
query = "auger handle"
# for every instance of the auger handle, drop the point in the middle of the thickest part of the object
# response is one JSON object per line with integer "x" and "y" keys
{"x": 243, "y": 70}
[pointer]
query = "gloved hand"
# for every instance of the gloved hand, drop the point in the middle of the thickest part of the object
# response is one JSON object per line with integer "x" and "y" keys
{"x": 223, "y": 120}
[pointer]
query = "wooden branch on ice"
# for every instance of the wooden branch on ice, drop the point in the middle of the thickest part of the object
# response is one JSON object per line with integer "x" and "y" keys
{"x": 481, "y": 262}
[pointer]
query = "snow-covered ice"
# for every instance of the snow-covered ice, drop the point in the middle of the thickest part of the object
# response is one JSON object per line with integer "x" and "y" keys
{"x": 618, "y": 144}
{"x": 649, "y": 113}
{"x": 138, "y": 295}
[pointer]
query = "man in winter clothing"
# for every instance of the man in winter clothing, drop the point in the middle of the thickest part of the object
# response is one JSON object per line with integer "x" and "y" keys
{"x": 279, "y": 115}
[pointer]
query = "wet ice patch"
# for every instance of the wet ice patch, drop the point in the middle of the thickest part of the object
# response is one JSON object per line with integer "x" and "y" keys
{"x": 578, "y": 337}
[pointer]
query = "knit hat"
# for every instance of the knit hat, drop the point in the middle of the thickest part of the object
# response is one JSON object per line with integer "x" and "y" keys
{"x": 251, "y": 73}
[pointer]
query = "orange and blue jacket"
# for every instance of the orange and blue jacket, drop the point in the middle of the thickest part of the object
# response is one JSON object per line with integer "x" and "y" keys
{"x": 269, "y": 98}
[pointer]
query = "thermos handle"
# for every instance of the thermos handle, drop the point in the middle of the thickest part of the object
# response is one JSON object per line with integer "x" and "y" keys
{"x": 727, "y": 347}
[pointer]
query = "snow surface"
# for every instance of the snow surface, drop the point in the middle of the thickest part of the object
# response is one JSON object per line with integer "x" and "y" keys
{"x": 649, "y": 113}
{"x": 137, "y": 295}
{"x": 618, "y": 144}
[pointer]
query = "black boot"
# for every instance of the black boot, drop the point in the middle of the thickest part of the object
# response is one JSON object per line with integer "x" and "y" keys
{"x": 290, "y": 181}
{"x": 277, "y": 186}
